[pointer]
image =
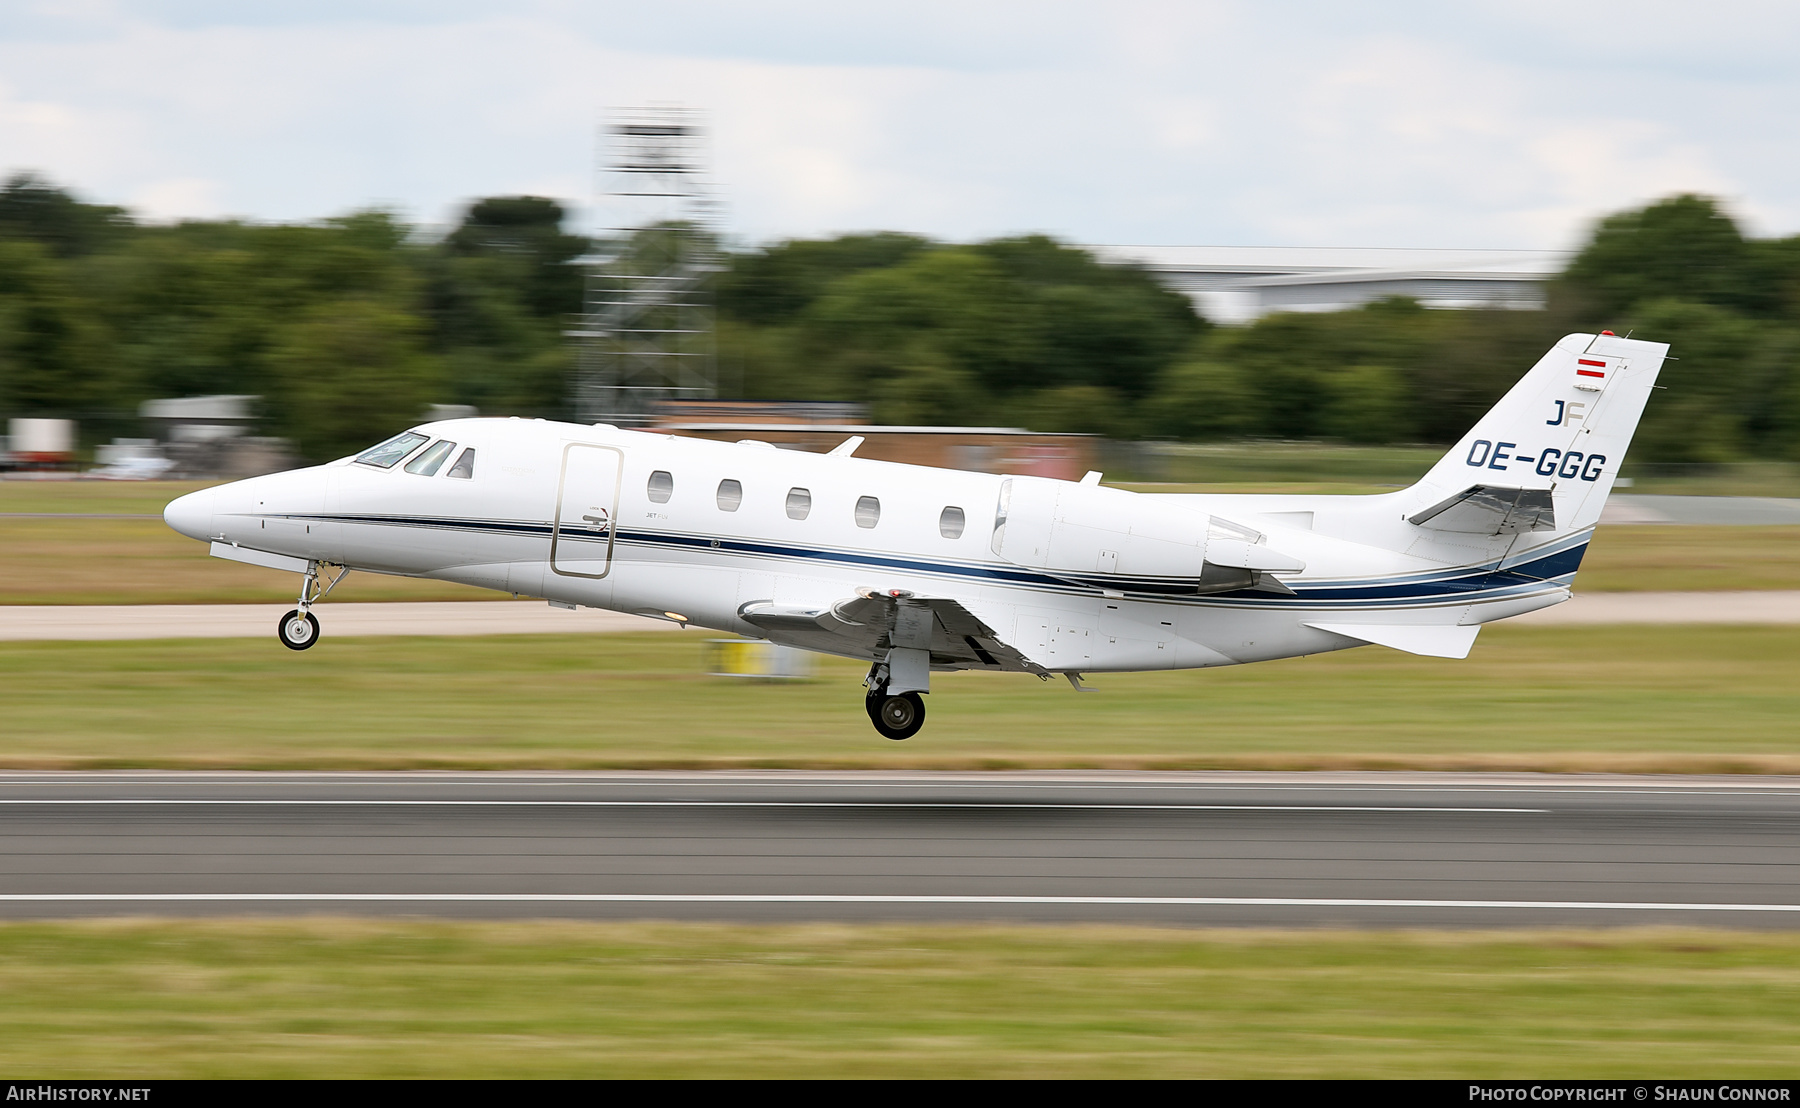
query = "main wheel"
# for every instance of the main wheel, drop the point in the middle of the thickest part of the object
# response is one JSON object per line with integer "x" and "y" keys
{"x": 298, "y": 630}
{"x": 898, "y": 717}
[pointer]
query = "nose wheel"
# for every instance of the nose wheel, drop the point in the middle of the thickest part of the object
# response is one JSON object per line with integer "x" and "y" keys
{"x": 298, "y": 630}
{"x": 895, "y": 716}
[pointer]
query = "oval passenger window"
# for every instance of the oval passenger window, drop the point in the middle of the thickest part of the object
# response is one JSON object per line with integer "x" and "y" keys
{"x": 950, "y": 523}
{"x": 731, "y": 494}
{"x": 868, "y": 511}
{"x": 799, "y": 503}
{"x": 661, "y": 487}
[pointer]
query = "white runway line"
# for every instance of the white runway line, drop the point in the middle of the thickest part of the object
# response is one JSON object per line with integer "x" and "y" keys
{"x": 897, "y": 804}
{"x": 896, "y": 899}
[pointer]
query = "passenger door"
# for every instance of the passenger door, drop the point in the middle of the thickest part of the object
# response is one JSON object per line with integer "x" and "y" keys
{"x": 587, "y": 503}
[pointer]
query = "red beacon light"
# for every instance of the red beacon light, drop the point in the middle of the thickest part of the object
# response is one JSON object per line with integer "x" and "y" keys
{"x": 1608, "y": 333}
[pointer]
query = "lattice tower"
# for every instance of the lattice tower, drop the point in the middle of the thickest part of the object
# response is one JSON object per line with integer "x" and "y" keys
{"x": 647, "y": 326}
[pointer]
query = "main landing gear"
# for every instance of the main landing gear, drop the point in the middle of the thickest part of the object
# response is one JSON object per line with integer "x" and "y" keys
{"x": 895, "y": 715}
{"x": 299, "y": 629}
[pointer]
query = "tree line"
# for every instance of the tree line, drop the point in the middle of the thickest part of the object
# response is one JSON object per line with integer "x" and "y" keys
{"x": 349, "y": 326}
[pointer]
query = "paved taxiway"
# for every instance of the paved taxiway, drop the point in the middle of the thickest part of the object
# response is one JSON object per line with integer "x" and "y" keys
{"x": 1202, "y": 848}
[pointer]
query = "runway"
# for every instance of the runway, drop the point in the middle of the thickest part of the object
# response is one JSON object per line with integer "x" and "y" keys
{"x": 1197, "y": 849}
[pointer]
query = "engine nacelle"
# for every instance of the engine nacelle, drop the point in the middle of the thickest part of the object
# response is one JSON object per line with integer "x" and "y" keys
{"x": 1123, "y": 540}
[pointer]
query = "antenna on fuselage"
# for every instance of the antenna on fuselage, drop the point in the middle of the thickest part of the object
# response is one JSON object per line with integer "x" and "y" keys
{"x": 846, "y": 448}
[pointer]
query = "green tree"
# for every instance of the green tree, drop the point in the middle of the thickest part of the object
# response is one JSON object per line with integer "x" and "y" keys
{"x": 1683, "y": 247}
{"x": 1699, "y": 413}
{"x": 348, "y": 374}
{"x": 771, "y": 286}
{"x": 32, "y": 208}
{"x": 54, "y": 355}
{"x": 1368, "y": 403}
{"x": 526, "y": 234}
{"x": 1076, "y": 409}
{"x": 1199, "y": 400}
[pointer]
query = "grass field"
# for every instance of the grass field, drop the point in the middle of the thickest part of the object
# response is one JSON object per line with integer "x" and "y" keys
{"x": 1557, "y": 698}
{"x": 369, "y": 998}
{"x": 141, "y": 561}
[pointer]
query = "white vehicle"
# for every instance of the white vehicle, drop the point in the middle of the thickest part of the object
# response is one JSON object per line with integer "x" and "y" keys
{"x": 915, "y": 569}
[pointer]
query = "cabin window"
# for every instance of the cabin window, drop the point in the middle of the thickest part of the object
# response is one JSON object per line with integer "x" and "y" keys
{"x": 950, "y": 523}
{"x": 432, "y": 459}
{"x": 661, "y": 487}
{"x": 385, "y": 455}
{"x": 731, "y": 494}
{"x": 868, "y": 511}
{"x": 799, "y": 503}
{"x": 465, "y": 465}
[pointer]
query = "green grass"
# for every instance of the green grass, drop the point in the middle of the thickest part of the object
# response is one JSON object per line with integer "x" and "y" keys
{"x": 122, "y": 497}
{"x": 1261, "y": 463}
{"x": 1558, "y": 698}
{"x": 1725, "y": 479}
{"x": 367, "y": 998}
{"x": 142, "y": 561}
{"x": 1690, "y": 559}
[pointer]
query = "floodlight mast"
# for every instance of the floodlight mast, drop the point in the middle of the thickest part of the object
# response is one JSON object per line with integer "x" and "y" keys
{"x": 646, "y": 329}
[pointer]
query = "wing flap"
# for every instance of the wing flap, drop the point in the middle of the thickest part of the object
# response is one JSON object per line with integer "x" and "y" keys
{"x": 863, "y": 626}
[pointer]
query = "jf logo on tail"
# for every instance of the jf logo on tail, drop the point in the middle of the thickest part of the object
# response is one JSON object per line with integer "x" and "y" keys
{"x": 919, "y": 571}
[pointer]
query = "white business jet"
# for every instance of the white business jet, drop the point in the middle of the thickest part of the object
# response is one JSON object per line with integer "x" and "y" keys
{"x": 918, "y": 570}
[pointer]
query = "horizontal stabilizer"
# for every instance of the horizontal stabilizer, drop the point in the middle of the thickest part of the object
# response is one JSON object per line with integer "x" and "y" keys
{"x": 1490, "y": 510}
{"x": 1433, "y": 641}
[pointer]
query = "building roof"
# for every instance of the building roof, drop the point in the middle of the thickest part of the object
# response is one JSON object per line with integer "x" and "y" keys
{"x": 1235, "y": 284}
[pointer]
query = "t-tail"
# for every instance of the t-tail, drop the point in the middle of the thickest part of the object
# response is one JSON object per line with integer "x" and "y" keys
{"x": 1542, "y": 462}
{"x": 1509, "y": 510}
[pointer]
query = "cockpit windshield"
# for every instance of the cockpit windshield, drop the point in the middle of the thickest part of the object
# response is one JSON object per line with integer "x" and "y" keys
{"x": 391, "y": 451}
{"x": 430, "y": 461}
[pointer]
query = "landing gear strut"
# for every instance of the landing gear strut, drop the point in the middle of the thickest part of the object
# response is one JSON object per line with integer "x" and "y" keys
{"x": 895, "y": 715}
{"x": 299, "y": 628}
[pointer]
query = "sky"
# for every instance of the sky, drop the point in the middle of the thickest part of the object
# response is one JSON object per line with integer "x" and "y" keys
{"x": 1482, "y": 123}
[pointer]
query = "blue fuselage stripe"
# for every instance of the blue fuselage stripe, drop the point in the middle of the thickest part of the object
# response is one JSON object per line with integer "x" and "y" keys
{"x": 1462, "y": 583}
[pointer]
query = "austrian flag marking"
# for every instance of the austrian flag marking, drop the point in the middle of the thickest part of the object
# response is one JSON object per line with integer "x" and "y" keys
{"x": 1590, "y": 373}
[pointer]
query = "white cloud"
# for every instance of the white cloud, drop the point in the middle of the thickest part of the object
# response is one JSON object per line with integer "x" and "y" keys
{"x": 1418, "y": 124}
{"x": 179, "y": 198}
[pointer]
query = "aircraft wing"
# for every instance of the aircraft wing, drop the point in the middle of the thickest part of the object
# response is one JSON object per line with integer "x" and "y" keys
{"x": 862, "y": 626}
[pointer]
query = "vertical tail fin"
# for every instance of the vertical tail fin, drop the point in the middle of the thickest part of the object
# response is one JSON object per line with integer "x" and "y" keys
{"x": 1546, "y": 456}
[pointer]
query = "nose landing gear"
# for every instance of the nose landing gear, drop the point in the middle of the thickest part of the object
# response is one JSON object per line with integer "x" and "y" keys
{"x": 299, "y": 629}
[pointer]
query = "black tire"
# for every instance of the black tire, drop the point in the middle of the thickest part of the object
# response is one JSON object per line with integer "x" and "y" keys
{"x": 297, "y": 630}
{"x": 898, "y": 717}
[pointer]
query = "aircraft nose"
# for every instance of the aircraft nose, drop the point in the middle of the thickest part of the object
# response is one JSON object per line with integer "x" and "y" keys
{"x": 192, "y": 515}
